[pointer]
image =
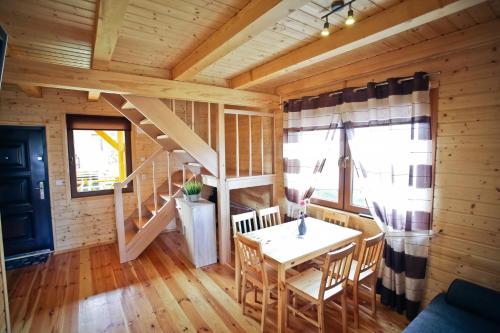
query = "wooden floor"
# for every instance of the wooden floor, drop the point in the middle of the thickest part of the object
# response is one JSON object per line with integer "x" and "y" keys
{"x": 89, "y": 291}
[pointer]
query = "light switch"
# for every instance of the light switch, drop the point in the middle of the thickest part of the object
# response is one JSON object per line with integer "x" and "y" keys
{"x": 59, "y": 182}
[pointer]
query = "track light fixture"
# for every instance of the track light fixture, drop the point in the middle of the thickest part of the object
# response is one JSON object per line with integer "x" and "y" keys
{"x": 350, "y": 16}
{"x": 335, "y": 7}
{"x": 326, "y": 28}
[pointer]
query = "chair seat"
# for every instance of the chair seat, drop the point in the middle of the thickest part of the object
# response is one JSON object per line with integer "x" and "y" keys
{"x": 362, "y": 275}
{"x": 308, "y": 283}
{"x": 272, "y": 277}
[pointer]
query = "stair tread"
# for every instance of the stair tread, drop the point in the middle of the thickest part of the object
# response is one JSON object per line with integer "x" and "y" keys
{"x": 146, "y": 122}
{"x": 127, "y": 106}
{"x": 162, "y": 137}
{"x": 181, "y": 151}
{"x": 193, "y": 164}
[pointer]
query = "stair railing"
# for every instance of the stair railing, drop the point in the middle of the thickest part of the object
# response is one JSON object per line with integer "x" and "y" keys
{"x": 136, "y": 177}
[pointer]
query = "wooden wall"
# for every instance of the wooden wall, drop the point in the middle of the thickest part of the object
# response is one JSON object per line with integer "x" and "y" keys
{"x": 83, "y": 221}
{"x": 466, "y": 213}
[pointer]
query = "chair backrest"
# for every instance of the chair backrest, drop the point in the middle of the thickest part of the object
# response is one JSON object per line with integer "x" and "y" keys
{"x": 245, "y": 222}
{"x": 269, "y": 216}
{"x": 251, "y": 256}
{"x": 369, "y": 254}
{"x": 336, "y": 268}
{"x": 336, "y": 218}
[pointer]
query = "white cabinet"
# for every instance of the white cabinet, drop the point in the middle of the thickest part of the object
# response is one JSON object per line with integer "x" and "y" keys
{"x": 198, "y": 230}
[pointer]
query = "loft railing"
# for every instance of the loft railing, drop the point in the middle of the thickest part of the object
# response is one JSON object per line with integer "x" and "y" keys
{"x": 250, "y": 114}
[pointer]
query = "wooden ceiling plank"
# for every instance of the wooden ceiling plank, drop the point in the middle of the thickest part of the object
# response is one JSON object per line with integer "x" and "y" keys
{"x": 471, "y": 37}
{"x": 257, "y": 16}
{"x": 31, "y": 90}
{"x": 110, "y": 14}
{"x": 404, "y": 16}
{"x": 63, "y": 77}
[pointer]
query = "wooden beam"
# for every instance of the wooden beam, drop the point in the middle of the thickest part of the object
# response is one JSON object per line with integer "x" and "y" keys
{"x": 31, "y": 90}
{"x": 19, "y": 71}
{"x": 110, "y": 14}
{"x": 404, "y": 16}
{"x": 460, "y": 40}
{"x": 94, "y": 95}
{"x": 254, "y": 18}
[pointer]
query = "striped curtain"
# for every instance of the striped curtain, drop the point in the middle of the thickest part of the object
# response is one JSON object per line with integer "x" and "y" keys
{"x": 309, "y": 127}
{"x": 389, "y": 133}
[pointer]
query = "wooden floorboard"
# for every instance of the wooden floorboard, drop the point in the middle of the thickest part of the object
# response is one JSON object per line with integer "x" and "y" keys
{"x": 90, "y": 291}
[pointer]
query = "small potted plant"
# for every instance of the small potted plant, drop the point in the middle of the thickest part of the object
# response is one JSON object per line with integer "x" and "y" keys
{"x": 192, "y": 190}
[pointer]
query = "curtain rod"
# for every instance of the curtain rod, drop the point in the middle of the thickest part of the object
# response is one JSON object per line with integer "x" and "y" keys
{"x": 379, "y": 84}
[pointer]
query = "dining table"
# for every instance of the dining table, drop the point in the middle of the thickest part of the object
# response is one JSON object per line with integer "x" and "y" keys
{"x": 284, "y": 248}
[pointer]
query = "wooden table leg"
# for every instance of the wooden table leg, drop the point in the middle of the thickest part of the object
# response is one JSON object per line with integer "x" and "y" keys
{"x": 281, "y": 299}
{"x": 237, "y": 277}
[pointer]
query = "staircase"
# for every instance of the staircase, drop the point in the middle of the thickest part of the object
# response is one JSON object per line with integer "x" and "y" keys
{"x": 156, "y": 209}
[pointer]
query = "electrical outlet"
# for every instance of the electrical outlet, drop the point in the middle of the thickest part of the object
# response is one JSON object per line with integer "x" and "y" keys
{"x": 59, "y": 182}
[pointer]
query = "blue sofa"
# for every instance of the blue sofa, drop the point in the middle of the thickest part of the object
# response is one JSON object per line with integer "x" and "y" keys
{"x": 466, "y": 307}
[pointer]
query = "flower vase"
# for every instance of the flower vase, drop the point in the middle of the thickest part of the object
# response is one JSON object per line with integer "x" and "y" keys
{"x": 302, "y": 225}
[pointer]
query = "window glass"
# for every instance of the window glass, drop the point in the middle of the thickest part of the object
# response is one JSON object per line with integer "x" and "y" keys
{"x": 357, "y": 197}
{"x": 100, "y": 159}
{"x": 327, "y": 184}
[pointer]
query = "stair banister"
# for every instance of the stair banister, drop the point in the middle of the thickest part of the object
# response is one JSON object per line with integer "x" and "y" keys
{"x": 140, "y": 168}
{"x": 249, "y": 145}
{"x": 155, "y": 193}
{"x": 139, "y": 199}
{"x": 209, "y": 125}
{"x": 237, "y": 148}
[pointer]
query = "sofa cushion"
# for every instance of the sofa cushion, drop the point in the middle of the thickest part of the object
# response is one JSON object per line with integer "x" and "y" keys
{"x": 478, "y": 300}
{"x": 441, "y": 317}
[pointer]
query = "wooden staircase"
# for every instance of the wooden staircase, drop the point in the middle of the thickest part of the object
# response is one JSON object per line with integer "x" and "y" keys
{"x": 154, "y": 212}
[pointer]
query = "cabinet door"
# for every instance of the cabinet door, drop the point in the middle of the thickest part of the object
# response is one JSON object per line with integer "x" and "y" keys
{"x": 187, "y": 228}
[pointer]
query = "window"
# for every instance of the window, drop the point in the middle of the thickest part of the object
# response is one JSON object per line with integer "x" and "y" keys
{"x": 339, "y": 186}
{"x": 99, "y": 153}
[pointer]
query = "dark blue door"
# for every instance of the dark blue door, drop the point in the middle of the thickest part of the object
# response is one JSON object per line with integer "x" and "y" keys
{"x": 24, "y": 191}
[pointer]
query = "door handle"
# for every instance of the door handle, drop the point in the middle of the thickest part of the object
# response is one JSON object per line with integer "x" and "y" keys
{"x": 41, "y": 188}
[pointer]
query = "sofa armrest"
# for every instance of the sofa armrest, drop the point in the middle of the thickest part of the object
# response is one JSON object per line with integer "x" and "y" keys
{"x": 478, "y": 300}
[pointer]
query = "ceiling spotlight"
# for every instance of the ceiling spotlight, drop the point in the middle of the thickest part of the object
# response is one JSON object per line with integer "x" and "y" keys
{"x": 350, "y": 17}
{"x": 326, "y": 29}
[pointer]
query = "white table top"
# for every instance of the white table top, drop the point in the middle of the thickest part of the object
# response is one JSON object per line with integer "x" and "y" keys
{"x": 282, "y": 243}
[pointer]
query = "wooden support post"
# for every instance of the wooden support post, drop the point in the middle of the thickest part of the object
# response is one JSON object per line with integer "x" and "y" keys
{"x": 223, "y": 192}
{"x": 237, "y": 148}
{"x": 249, "y": 145}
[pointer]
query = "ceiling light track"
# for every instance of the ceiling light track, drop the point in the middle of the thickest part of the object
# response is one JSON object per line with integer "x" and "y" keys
{"x": 335, "y": 7}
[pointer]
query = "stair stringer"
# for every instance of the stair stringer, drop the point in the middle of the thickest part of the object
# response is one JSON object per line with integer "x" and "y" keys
{"x": 170, "y": 124}
{"x": 151, "y": 230}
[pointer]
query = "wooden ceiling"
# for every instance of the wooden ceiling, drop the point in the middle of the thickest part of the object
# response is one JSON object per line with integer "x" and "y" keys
{"x": 154, "y": 36}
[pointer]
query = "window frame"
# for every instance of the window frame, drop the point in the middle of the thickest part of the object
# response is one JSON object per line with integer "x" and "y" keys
{"x": 104, "y": 122}
{"x": 345, "y": 182}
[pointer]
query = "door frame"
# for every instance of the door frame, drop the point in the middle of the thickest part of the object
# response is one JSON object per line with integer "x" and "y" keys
{"x": 42, "y": 127}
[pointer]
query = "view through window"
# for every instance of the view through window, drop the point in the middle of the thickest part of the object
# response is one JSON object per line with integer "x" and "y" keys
{"x": 99, "y": 150}
{"x": 339, "y": 186}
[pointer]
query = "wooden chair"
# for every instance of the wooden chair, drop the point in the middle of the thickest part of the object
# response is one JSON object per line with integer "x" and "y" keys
{"x": 245, "y": 222}
{"x": 269, "y": 216}
{"x": 336, "y": 218}
{"x": 316, "y": 287}
{"x": 256, "y": 272}
{"x": 364, "y": 271}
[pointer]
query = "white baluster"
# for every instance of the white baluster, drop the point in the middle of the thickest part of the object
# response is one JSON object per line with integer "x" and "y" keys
{"x": 155, "y": 194}
{"x": 249, "y": 145}
{"x": 209, "y": 126}
{"x": 139, "y": 198}
{"x": 237, "y": 149}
